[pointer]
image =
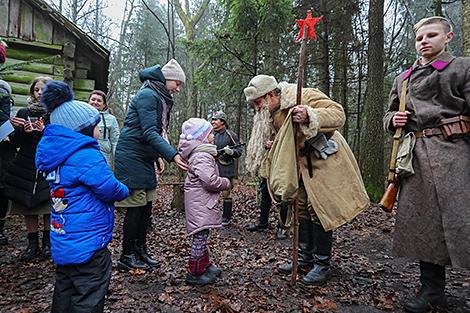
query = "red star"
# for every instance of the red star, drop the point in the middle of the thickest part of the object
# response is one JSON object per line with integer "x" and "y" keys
{"x": 310, "y": 23}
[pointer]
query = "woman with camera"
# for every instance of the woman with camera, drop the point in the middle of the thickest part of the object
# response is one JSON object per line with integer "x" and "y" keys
{"x": 25, "y": 186}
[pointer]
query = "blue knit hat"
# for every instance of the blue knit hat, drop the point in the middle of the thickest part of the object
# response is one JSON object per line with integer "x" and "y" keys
{"x": 75, "y": 115}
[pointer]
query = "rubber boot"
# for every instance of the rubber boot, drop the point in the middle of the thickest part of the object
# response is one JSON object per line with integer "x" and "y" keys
{"x": 129, "y": 259}
{"x": 141, "y": 250}
{"x": 265, "y": 206}
{"x": 200, "y": 280}
{"x": 46, "y": 244}
{"x": 3, "y": 237}
{"x": 214, "y": 270}
{"x": 33, "y": 247}
{"x": 305, "y": 260}
{"x": 321, "y": 272}
{"x": 227, "y": 212}
{"x": 431, "y": 294}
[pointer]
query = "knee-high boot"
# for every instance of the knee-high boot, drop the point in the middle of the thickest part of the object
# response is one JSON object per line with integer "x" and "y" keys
{"x": 264, "y": 206}
{"x": 227, "y": 212}
{"x": 129, "y": 258}
{"x": 305, "y": 260}
{"x": 320, "y": 273}
{"x": 431, "y": 294}
{"x": 141, "y": 243}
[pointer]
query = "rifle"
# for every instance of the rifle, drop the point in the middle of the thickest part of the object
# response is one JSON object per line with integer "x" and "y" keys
{"x": 238, "y": 145}
{"x": 390, "y": 195}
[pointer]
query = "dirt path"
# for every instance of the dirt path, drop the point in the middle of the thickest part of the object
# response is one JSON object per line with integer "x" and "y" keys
{"x": 365, "y": 276}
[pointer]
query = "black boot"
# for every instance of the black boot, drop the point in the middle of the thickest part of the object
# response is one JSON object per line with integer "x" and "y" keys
{"x": 320, "y": 273}
{"x": 305, "y": 260}
{"x": 129, "y": 258}
{"x": 227, "y": 212}
{"x": 200, "y": 280}
{"x": 46, "y": 244}
{"x": 141, "y": 249}
{"x": 431, "y": 294}
{"x": 264, "y": 206}
{"x": 33, "y": 247}
{"x": 3, "y": 237}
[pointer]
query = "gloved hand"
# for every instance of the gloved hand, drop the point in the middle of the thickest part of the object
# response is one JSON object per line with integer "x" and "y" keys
{"x": 228, "y": 150}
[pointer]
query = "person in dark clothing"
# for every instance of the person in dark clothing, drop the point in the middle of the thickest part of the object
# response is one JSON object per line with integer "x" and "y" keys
{"x": 265, "y": 203}
{"x": 225, "y": 139}
{"x": 25, "y": 186}
{"x": 7, "y": 152}
{"x": 433, "y": 213}
{"x": 144, "y": 141}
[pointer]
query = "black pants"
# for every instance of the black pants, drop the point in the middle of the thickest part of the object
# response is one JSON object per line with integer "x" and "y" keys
{"x": 82, "y": 288}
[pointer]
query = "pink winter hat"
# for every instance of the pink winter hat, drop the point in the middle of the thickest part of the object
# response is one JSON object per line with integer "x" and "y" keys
{"x": 196, "y": 129}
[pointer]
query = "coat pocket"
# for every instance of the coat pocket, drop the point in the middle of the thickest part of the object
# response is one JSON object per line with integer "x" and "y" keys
{"x": 212, "y": 203}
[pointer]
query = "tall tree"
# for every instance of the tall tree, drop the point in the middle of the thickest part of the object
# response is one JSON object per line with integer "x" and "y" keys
{"x": 372, "y": 144}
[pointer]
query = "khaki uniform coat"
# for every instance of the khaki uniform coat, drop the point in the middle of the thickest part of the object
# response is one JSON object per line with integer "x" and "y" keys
{"x": 335, "y": 191}
{"x": 433, "y": 217}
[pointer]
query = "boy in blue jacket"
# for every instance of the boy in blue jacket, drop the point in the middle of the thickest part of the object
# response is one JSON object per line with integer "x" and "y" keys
{"x": 83, "y": 192}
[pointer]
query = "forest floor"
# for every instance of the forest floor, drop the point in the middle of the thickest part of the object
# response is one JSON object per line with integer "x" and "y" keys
{"x": 366, "y": 278}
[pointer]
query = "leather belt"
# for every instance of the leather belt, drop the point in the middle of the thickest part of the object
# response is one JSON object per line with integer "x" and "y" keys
{"x": 428, "y": 132}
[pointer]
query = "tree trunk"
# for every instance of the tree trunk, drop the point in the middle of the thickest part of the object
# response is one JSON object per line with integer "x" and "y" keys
{"x": 325, "y": 50}
{"x": 465, "y": 26}
{"x": 372, "y": 144}
{"x": 437, "y": 7}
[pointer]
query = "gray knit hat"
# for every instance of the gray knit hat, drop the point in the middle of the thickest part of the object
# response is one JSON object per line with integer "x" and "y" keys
{"x": 173, "y": 71}
{"x": 72, "y": 114}
{"x": 219, "y": 115}
{"x": 259, "y": 86}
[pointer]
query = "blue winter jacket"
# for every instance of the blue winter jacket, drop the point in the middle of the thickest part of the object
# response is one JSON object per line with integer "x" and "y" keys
{"x": 83, "y": 191}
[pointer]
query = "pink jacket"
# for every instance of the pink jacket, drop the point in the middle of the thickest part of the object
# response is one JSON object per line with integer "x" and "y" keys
{"x": 202, "y": 186}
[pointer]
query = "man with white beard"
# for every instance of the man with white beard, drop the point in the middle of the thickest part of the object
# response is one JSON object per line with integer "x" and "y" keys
{"x": 258, "y": 146}
{"x": 331, "y": 192}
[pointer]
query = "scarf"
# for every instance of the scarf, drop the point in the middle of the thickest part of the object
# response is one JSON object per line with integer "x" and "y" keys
{"x": 36, "y": 107}
{"x": 168, "y": 102}
{"x": 206, "y": 147}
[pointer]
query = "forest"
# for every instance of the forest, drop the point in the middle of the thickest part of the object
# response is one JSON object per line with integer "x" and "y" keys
{"x": 361, "y": 47}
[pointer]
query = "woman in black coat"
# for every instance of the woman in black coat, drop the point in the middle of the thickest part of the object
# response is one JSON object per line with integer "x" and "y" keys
{"x": 25, "y": 185}
{"x": 6, "y": 154}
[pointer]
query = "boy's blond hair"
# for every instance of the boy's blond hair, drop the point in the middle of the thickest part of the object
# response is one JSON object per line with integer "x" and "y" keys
{"x": 433, "y": 20}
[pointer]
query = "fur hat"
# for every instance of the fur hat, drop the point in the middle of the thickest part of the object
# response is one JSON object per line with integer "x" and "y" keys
{"x": 219, "y": 115}
{"x": 173, "y": 71}
{"x": 196, "y": 129}
{"x": 259, "y": 86}
{"x": 75, "y": 115}
{"x": 3, "y": 52}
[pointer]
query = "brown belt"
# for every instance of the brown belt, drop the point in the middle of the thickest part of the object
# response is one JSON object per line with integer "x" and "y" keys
{"x": 428, "y": 132}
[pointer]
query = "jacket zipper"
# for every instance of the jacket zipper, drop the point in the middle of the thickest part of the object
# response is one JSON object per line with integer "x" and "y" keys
{"x": 35, "y": 182}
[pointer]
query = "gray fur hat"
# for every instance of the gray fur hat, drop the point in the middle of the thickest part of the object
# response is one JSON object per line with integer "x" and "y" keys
{"x": 259, "y": 86}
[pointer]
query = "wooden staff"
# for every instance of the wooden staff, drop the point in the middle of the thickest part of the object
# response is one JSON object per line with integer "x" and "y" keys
{"x": 307, "y": 30}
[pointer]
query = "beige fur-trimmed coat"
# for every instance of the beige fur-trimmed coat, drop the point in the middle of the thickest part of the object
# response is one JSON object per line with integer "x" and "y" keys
{"x": 335, "y": 190}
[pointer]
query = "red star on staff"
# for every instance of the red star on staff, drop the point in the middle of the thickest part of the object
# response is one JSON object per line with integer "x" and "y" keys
{"x": 310, "y": 23}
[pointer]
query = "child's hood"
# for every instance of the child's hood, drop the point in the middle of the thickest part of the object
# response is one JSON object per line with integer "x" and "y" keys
{"x": 57, "y": 144}
{"x": 186, "y": 147}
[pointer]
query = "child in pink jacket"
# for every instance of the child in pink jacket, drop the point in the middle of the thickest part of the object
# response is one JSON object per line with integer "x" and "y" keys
{"x": 201, "y": 194}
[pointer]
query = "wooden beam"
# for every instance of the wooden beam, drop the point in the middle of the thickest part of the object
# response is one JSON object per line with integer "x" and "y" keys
{"x": 4, "y": 17}
{"x": 35, "y": 44}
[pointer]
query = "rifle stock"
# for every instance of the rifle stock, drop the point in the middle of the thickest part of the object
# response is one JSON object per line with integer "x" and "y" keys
{"x": 388, "y": 199}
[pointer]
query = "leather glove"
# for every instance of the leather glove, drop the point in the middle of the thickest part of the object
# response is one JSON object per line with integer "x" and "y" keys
{"x": 228, "y": 150}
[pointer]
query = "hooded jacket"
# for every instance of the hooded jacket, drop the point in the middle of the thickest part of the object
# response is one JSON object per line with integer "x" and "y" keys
{"x": 201, "y": 187}
{"x": 83, "y": 191}
{"x": 109, "y": 136}
{"x": 140, "y": 142}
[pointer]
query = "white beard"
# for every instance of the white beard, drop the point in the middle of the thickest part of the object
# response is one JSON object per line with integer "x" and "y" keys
{"x": 260, "y": 134}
